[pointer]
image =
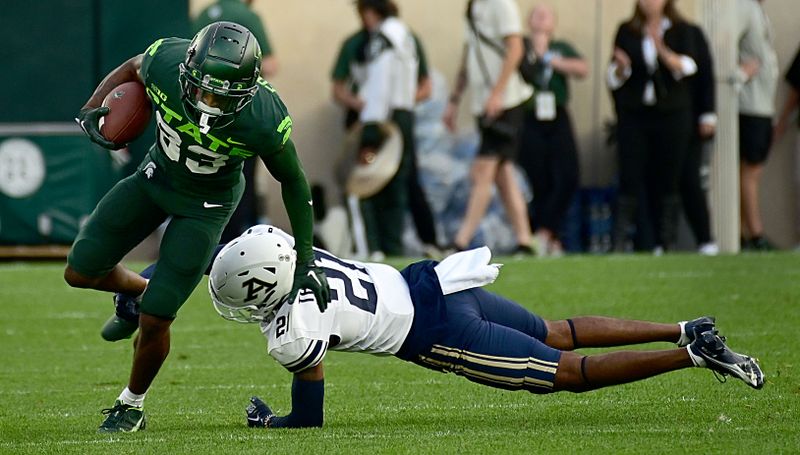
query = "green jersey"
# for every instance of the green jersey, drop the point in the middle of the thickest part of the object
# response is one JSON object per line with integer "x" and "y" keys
{"x": 204, "y": 163}
{"x": 556, "y": 81}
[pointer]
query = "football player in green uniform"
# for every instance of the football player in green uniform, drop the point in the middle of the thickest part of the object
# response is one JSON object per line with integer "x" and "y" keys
{"x": 213, "y": 111}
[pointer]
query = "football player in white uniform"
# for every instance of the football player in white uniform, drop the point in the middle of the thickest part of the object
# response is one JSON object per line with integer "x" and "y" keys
{"x": 437, "y": 316}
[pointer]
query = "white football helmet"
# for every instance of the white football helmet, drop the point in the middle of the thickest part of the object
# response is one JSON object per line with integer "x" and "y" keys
{"x": 252, "y": 275}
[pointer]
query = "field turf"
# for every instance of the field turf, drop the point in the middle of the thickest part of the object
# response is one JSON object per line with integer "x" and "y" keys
{"x": 56, "y": 374}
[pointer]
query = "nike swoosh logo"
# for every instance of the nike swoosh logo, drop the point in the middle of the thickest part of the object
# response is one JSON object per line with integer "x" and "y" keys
{"x": 311, "y": 203}
{"x": 231, "y": 141}
{"x": 314, "y": 277}
{"x": 211, "y": 206}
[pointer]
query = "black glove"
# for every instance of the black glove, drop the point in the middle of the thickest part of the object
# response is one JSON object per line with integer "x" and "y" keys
{"x": 310, "y": 276}
{"x": 89, "y": 121}
{"x": 259, "y": 414}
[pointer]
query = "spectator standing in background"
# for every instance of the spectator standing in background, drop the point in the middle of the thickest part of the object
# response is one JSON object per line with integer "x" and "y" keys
{"x": 758, "y": 76}
{"x": 349, "y": 69}
{"x": 693, "y": 196}
{"x": 548, "y": 151}
{"x": 789, "y": 108}
{"x": 489, "y": 65}
{"x": 387, "y": 89}
{"x": 238, "y": 11}
{"x": 654, "y": 54}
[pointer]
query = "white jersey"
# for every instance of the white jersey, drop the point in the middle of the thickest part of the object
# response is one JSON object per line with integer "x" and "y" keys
{"x": 370, "y": 311}
{"x": 390, "y": 79}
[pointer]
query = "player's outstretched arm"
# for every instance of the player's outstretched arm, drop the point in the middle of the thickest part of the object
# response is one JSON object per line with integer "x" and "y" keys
{"x": 308, "y": 390}
{"x": 286, "y": 168}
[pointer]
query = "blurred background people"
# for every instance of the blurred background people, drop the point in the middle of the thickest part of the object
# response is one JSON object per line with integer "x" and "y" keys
{"x": 654, "y": 54}
{"x": 692, "y": 191}
{"x": 386, "y": 73}
{"x": 240, "y": 11}
{"x": 548, "y": 151}
{"x": 488, "y": 66}
{"x": 349, "y": 67}
{"x": 758, "y": 76}
{"x": 789, "y": 109}
{"x": 248, "y": 212}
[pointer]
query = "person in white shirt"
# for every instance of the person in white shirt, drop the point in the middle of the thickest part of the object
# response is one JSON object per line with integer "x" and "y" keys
{"x": 653, "y": 59}
{"x": 758, "y": 81}
{"x": 436, "y": 315}
{"x": 492, "y": 53}
{"x": 387, "y": 82}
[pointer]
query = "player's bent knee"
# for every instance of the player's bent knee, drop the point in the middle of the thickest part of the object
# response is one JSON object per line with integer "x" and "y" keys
{"x": 76, "y": 280}
{"x": 559, "y": 335}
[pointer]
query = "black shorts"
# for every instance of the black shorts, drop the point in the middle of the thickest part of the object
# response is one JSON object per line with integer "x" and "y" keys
{"x": 755, "y": 138}
{"x": 500, "y": 137}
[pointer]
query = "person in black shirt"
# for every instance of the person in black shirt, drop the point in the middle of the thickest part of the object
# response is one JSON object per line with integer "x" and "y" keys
{"x": 654, "y": 54}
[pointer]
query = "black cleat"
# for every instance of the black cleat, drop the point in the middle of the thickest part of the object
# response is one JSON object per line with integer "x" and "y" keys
{"x": 693, "y": 329}
{"x": 122, "y": 418}
{"x": 259, "y": 414}
{"x": 124, "y": 321}
{"x": 714, "y": 354}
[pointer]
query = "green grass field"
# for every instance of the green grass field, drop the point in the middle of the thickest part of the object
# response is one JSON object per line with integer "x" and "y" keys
{"x": 56, "y": 373}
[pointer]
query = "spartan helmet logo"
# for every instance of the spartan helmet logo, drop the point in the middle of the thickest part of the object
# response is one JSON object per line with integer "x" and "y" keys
{"x": 149, "y": 170}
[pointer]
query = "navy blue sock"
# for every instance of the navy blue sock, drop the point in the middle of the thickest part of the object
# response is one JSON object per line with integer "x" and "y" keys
{"x": 307, "y": 403}
{"x": 148, "y": 271}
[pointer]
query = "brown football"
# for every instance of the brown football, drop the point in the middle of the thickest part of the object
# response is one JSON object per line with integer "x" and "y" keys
{"x": 129, "y": 113}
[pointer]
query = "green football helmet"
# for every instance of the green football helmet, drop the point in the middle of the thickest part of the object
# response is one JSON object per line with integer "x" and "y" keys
{"x": 219, "y": 75}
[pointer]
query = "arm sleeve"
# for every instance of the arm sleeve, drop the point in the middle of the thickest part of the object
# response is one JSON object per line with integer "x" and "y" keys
{"x": 148, "y": 56}
{"x": 612, "y": 80}
{"x": 793, "y": 74}
{"x": 263, "y": 41}
{"x": 704, "y": 86}
{"x": 341, "y": 67}
{"x": 422, "y": 73}
{"x": 688, "y": 67}
{"x": 286, "y": 168}
{"x": 569, "y": 51}
{"x": 508, "y": 18}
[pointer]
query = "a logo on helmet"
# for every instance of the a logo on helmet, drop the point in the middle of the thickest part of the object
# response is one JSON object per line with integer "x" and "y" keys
{"x": 254, "y": 286}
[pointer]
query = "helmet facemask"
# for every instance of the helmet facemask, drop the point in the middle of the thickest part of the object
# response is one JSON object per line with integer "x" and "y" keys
{"x": 219, "y": 76}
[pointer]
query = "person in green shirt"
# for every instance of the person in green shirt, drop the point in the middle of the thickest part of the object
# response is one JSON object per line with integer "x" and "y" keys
{"x": 213, "y": 112}
{"x": 548, "y": 151}
{"x": 240, "y": 12}
{"x": 349, "y": 68}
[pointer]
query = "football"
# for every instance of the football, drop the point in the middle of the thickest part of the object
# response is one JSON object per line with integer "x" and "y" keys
{"x": 129, "y": 113}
